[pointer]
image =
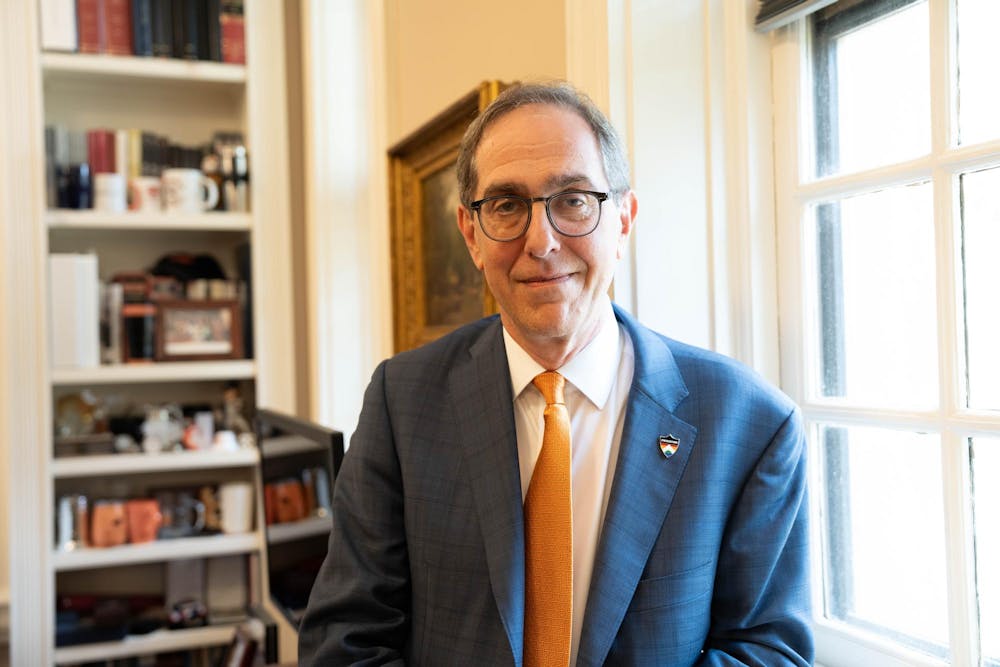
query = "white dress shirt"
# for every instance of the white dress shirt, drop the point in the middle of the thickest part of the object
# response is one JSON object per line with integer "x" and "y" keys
{"x": 597, "y": 384}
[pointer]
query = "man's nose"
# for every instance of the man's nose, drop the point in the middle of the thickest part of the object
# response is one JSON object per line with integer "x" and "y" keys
{"x": 541, "y": 237}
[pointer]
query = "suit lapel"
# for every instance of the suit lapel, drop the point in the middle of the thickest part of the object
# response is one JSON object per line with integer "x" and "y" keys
{"x": 643, "y": 488}
{"x": 481, "y": 387}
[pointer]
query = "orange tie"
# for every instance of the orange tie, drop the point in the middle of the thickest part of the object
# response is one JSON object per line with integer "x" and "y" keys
{"x": 548, "y": 517}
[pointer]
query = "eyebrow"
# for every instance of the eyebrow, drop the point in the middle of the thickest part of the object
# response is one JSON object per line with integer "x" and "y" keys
{"x": 552, "y": 184}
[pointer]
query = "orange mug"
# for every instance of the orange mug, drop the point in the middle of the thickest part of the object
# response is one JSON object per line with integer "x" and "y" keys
{"x": 108, "y": 527}
{"x": 144, "y": 519}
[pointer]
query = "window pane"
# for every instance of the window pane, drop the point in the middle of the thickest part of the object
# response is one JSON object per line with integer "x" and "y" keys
{"x": 978, "y": 54}
{"x": 980, "y": 249}
{"x": 872, "y": 86}
{"x": 884, "y": 524}
{"x": 876, "y": 309}
{"x": 986, "y": 496}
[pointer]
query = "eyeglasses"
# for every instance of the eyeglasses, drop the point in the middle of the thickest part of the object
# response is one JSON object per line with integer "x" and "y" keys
{"x": 571, "y": 213}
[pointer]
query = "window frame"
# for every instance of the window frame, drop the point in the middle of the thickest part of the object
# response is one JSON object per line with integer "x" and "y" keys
{"x": 796, "y": 188}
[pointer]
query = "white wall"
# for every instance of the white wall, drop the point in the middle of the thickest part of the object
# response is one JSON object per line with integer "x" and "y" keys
{"x": 439, "y": 50}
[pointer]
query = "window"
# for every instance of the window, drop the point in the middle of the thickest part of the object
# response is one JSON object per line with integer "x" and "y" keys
{"x": 888, "y": 185}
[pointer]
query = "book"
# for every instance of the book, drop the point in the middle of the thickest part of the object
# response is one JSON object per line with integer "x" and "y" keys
{"x": 192, "y": 16}
{"x": 58, "y": 19}
{"x": 231, "y": 31}
{"x": 74, "y": 305}
{"x": 177, "y": 16}
{"x": 101, "y": 151}
{"x": 163, "y": 28}
{"x": 90, "y": 26}
{"x": 117, "y": 27}
{"x": 111, "y": 323}
{"x": 142, "y": 27}
{"x": 213, "y": 34}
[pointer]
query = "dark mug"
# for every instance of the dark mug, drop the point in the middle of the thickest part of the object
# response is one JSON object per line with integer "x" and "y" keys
{"x": 183, "y": 514}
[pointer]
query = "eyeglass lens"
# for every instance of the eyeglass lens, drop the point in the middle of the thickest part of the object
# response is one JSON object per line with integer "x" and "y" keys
{"x": 572, "y": 213}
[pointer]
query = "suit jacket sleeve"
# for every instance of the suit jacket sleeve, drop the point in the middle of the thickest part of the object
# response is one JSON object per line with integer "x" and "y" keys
{"x": 358, "y": 612}
{"x": 760, "y": 609}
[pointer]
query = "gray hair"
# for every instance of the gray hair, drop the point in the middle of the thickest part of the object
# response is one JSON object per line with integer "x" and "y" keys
{"x": 559, "y": 94}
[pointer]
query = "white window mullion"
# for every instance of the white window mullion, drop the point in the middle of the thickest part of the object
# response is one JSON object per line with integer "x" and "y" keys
{"x": 962, "y": 612}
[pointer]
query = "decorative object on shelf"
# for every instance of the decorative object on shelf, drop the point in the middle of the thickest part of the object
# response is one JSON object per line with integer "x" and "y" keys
{"x": 72, "y": 522}
{"x": 192, "y": 330}
{"x": 109, "y": 527}
{"x": 163, "y": 428}
{"x": 144, "y": 519}
{"x": 183, "y": 514}
{"x": 236, "y": 506}
{"x": 188, "y": 191}
{"x": 435, "y": 285}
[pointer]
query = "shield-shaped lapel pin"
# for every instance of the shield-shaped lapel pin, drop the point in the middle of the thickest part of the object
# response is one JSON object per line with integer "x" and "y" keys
{"x": 669, "y": 444}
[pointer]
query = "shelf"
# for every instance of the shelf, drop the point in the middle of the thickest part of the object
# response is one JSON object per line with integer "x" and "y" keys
{"x": 167, "y": 371}
{"x": 155, "y": 551}
{"x": 279, "y": 533}
{"x": 75, "y": 65}
{"x": 155, "y": 642}
{"x": 286, "y": 445}
{"x": 123, "y": 464}
{"x": 136, "y": 221}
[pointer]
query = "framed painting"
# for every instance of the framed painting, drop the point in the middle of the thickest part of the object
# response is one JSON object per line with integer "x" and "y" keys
{"x": 436, "y": 287}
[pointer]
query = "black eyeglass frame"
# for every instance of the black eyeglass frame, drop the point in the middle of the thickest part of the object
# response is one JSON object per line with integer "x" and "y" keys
{"x": 477, "y": 205}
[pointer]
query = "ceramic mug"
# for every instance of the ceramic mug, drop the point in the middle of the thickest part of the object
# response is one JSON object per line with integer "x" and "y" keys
{"x": 188, "y": 191}
{"x": 144, "y": 519}
{"x": 144, "y": 194}
{"x": 108, "y": 527}
{"x": 236, "y": 507}
{"x": 109, "y": 192}
{"x": 183, "y": 514}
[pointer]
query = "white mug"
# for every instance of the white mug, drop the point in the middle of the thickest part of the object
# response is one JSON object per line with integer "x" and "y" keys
{"x": 188, "y": 191}
{"x": 144, "y": 194}
{"x": 109, "y": 192}
{"x": 236, "y": 507}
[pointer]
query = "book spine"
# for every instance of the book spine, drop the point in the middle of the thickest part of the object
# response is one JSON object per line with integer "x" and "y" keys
{"x": 213, "y": 35}
{"x": 118, "y": 27}
{"x": 163, "y": 28}
{"x": 101, "y": 151}
{"x": 142, "y": 27}
{"x": 90, "y": 25}
{"x": 192, "y": 28}
{"x": 58, "y": 19}
{"x": 122, "y": 154}
{"x": 177, "y": 14}
{"x": 74, "y": 300}
{"x": 134, "y": 154}
{"x": 231, "y": 30}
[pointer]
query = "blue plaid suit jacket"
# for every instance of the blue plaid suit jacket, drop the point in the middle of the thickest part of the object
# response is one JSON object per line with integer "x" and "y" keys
{"x": 702, "y": 558}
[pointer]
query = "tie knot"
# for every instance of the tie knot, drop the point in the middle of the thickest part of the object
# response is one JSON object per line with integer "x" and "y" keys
{"x": 550, "y": 383}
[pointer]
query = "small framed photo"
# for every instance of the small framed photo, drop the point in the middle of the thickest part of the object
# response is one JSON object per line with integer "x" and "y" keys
{"x": 198, "y": 330}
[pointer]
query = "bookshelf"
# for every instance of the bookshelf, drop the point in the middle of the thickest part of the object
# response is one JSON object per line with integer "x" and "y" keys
{"x": 187, "y": 101}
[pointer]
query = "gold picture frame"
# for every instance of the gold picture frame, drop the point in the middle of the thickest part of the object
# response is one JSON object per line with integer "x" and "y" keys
{"x": 435, "y": 286}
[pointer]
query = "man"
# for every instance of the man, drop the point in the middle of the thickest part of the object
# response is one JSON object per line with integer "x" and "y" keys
{"x": 658, "y": 518}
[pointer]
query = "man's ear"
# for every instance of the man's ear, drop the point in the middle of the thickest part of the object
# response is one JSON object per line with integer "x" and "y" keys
{"x": 627, "y": 209}
{"x": 467, "y": 226}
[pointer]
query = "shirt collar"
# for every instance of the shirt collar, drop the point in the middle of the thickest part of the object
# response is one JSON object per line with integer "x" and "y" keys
{"x": 592, "y": 370}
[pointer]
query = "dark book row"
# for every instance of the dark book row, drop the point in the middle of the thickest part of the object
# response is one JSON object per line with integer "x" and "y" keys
{"x": 187, "y": 29}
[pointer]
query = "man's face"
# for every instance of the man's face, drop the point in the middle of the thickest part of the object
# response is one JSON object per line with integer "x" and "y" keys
{"x": 548, "y": 286}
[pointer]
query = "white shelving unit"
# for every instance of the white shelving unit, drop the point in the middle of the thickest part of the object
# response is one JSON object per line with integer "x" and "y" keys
{"x": 125, "y": 464}
{"x": 172, "y": 371}
{"x": 96, "y": 66}
{"x": 280, "y": 533}
{"x": 140, "y": 222}
{"x": 156, "y": 551}
{"x": 159, "y": 640}
{"x": 186, "y": 101}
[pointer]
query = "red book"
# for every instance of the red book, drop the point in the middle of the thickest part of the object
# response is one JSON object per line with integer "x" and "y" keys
{"x": 90, "y": 25}
{"x": 101, "y": 151}
{"x": 118, "y": 27}
{"x": 231, "y": 29}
